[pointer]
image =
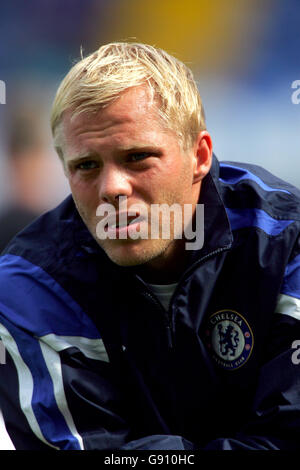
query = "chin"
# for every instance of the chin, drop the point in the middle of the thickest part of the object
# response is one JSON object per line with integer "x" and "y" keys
{"x": 134, "y": 254}
{"x": 126, "y": 262}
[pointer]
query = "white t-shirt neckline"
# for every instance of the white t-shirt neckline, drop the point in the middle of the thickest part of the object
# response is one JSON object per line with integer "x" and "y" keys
{"x": 163, "y": 292}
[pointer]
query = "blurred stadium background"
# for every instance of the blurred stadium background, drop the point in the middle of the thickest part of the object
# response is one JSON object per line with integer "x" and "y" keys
{"x": 244, "y": 54}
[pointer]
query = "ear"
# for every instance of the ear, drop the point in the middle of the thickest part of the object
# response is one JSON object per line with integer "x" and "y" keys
{"x": 203, "y": 150}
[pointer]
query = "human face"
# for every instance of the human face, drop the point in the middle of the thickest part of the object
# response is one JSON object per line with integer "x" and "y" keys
{"x": 123, "y": 149}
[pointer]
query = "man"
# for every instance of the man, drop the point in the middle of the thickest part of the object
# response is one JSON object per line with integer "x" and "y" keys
{"x": 120, "y": 339}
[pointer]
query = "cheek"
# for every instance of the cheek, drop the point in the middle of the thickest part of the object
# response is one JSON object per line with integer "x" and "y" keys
{"x": 84, "y": 193}
{"x": 163, "y": 182}
{"x": 178, "y": 175}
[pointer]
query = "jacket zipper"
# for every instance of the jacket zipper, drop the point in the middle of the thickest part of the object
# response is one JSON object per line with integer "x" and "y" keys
{"x": 188, "y": 271}
{"x": 199, "y": 261}
{"x": 169, "y": 315}
{"x": 166, "y": 317}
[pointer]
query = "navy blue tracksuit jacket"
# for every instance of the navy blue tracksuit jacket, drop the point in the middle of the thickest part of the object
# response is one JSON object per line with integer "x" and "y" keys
{"x": 94, "y": 361}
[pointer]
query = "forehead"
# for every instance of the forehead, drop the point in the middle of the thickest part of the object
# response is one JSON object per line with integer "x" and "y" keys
{"x": 133, "y": 112}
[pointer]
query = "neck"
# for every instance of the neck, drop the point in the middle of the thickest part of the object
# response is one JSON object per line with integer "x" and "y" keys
{"x": 166, "y": 268}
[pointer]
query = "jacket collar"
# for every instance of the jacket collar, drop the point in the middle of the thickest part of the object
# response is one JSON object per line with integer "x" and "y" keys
{"x": 217, "y": 231}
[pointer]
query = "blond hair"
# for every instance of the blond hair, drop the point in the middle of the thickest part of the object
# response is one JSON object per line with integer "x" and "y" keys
{"x": 98, "y": 79}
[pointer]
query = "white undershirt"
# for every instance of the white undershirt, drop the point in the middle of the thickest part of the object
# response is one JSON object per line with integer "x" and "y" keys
{"x": 163, "y": 292}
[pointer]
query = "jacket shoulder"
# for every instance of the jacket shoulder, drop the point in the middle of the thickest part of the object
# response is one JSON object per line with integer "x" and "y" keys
{"x": 245, "y": 185}
{"x": 48, "y": 238}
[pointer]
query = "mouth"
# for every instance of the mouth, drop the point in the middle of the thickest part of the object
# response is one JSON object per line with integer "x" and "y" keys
{"x": 121, "y": 224}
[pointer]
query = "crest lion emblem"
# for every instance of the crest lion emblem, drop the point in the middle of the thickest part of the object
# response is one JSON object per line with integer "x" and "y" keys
{"x": 229, "y": 339}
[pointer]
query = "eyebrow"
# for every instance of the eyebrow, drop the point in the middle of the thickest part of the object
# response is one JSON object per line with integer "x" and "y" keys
{"x": 129, "y": 148}
{"x": 123, "y": 149}
{"x": 80, "y": 158}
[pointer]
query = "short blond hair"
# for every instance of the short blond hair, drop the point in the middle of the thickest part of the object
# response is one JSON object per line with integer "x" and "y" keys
{"x": 98, "y": 79}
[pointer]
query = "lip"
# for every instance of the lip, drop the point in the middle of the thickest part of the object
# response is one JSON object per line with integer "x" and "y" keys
{"x": 122, "y": 218}
{"x": 115, "y": 231}
{"x": 122, "y": 232}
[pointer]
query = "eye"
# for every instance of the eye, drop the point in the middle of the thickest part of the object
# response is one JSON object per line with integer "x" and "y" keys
{"x": 87, "y": 165}
{"x": 138, "y": 156}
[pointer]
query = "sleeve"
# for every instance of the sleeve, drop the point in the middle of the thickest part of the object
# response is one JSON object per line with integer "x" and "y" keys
{"x": 58, "y": 389}
{"x": 57, "y": 399}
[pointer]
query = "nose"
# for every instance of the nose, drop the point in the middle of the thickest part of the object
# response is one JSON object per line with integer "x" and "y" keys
{"x": 113, "y": 184}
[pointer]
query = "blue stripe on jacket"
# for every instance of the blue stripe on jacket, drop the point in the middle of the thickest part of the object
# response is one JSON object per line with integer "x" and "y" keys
{"x": 37, "y": 303}
{"x": 291, "y": 282}
{"x": 232, "y": 174}
{"x": 51, "y": 422}
{"x": 245, "y": 218}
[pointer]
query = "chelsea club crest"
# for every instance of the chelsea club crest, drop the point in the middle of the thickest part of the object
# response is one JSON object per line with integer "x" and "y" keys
{"x": 229, "y": 339}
